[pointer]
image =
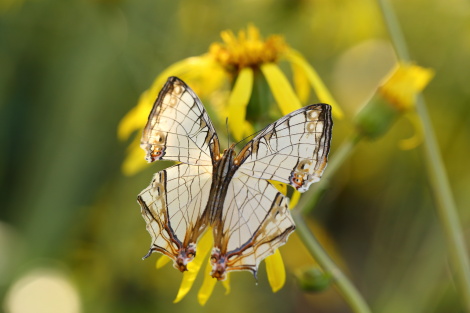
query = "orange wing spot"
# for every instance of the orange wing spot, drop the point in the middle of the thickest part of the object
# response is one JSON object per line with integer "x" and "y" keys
{"x": 157, "y": 151}
{"x": 297, "y": 180}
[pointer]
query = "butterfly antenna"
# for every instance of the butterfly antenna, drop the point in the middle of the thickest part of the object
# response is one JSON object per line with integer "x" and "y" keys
{"x": 254, "y": 134}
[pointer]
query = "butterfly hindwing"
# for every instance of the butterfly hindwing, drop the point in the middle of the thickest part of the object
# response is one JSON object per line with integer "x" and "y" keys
{"x": 178, "y": 127}
{"x": 173, "y": 207}
{"x": 292, "y": 150}
{"x": 256, "y": 221}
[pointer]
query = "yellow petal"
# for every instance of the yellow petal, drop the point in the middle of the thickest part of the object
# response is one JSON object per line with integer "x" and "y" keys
{"x": 281, "y": 187}
{"x": 226, "y": 283}
{"x": 294, "y": 199}
{"x": 135, "y": 159}
{"x": 405, "y": 81}
{"x": 162, "y": 261}
{"x": 301, "y": 83}
{"x": 253, "y": 32}
{"x": 276, "y": 271}
{"x": 197, "y": 69}
{"x": 136, "y": 117}
{"x": 248, "y": 128}
{"x": 238, "y": 101}
{"x": 205, "y": 75}
{"x": 280, "y": 88}
{"x": 203, "y": 247}
{"x": 315, "y": 80}
{"x": 207, "y": 286}
{"x": 418, "y": 136}
{"x": 186, "y": 69}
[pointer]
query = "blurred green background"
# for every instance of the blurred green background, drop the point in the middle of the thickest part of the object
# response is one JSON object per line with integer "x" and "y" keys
{"x": 71, "y": 235}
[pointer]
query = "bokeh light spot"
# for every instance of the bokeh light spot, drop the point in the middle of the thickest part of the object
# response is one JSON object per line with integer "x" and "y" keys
{"x": 42, "y": 291}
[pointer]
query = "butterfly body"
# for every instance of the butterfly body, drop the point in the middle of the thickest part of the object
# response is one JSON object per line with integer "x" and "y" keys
{"x": 228, "y": 193}
{"x": 223, "y": 171}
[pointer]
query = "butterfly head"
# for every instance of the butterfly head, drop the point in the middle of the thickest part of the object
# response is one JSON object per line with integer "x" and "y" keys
{"x": 229, "y": 153}
{"x": 185, "y": 256}
{"x": 219, "y": 264}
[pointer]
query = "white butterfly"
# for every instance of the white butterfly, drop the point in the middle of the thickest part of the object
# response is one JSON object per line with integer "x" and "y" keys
{"x": 249, "y": 217}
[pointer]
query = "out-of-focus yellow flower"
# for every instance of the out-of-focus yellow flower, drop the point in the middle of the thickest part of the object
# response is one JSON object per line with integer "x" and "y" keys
{"x": 403, "y": 84}
{"x": 237, "y": 61}
{"x": 400, "y": 89}
{"x": 394, "y": 97}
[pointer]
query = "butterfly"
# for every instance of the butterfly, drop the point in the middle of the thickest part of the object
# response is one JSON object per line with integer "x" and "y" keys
{"x": 229, "y": 192}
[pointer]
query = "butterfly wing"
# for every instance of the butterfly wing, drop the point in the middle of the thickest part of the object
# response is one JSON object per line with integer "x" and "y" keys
{"x": 173, "y": 208}
{"x": 292, "y": 150}
{"x": 256, "y": 219}
{"x": 255, "y": 222}
{"x": 178, "y": 127}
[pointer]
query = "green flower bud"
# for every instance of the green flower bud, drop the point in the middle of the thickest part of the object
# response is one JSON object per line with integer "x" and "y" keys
{"x": 313, "y": 279}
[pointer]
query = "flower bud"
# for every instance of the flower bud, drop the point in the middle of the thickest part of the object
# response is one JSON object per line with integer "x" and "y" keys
{"x": 313, "y": 279}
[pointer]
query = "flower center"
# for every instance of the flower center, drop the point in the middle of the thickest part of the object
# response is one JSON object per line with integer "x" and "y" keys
{"x": 247, "y": 50}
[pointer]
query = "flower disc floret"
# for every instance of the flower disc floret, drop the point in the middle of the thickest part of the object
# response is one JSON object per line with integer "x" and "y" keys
{"x": 248, "y": 49}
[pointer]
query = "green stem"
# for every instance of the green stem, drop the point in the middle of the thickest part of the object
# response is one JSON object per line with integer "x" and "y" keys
{"x": 345, "y": 287}
{"x": 334, "y": 165}
{"x": 446, "y": 207}
{"x": 394, "y": 30}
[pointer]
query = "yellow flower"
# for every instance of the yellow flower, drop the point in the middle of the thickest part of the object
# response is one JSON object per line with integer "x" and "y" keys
{"x": 237, "y": 61}
{"x": 400, "y": 89}
{"x": 245, "y": 55}
{"x": 395, "y": 96}
{"x": 403, "y": 84}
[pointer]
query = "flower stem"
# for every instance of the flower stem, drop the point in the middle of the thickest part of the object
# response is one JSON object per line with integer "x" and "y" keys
{"x": 345, "y": 287}
{"x": 446, "y": 207}
{"x": 341, "y": 155}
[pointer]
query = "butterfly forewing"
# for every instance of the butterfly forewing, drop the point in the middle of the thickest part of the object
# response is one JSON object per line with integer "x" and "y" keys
{"x": 178, "y": 128}
{"x": 293, "y": 150}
